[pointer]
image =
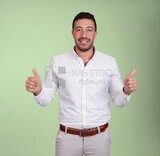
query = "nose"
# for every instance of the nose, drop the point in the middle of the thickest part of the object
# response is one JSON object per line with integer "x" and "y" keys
{"x": 84, "y": 35}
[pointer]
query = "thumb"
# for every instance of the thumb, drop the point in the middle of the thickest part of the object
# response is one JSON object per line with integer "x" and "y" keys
{"x": 132, "y": 73}
{"x": 35, "y": 73}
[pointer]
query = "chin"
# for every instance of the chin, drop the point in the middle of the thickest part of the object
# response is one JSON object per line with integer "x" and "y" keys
{"x": 84, "y": 49}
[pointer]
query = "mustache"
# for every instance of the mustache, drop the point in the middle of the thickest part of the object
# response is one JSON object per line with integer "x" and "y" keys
{"x": 84, "y": 38}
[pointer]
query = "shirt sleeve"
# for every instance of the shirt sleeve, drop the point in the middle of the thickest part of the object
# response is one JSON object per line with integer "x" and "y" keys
{"x": 116, "y": 88}
{"x": 49, "y": 86}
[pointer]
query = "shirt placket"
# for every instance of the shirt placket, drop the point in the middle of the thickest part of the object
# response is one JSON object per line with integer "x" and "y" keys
{"x": 83, "y": 92}
{"x": 84, "y": 85}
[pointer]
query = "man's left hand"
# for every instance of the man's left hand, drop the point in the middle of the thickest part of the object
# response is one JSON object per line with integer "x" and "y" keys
{"x": 130, "y": 83}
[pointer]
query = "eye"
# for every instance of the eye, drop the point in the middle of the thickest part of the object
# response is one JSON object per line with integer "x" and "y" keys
{"x": 90, "y": 30}
{"x": 78, "y": 29}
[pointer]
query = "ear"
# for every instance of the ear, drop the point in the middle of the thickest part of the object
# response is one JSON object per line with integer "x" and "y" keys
{"x": 95, "y": 34}
{"x": 72, "y": 32}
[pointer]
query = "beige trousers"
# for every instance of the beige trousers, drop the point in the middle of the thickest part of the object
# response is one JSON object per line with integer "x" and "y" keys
{"x": 74, "y": 145}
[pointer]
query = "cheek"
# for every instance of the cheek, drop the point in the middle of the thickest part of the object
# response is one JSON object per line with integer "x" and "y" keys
{"x": 75, "y": 35}
{"x": 92, "y": 37}
{"x": 94, "y": 34}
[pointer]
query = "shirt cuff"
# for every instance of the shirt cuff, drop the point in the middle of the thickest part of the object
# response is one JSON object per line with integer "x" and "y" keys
{"x": 127, "y": 97}
{"x": 39, "y": 98}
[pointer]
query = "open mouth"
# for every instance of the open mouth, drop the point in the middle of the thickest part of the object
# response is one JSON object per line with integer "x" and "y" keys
{"x": 84, "y": 41}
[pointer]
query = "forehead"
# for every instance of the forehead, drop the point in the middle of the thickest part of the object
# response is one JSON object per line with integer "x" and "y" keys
{"x": 84, "y": 23}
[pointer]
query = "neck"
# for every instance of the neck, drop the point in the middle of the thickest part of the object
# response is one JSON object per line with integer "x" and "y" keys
{"x": 86, "y": 56}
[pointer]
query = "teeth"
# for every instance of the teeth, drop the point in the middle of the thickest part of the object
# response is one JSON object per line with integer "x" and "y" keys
{"x": 83, "y": 41}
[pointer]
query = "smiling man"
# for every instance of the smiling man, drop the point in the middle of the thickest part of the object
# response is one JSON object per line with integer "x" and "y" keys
{"x": 85, "y": 79}
{"x": 84, "y": 32}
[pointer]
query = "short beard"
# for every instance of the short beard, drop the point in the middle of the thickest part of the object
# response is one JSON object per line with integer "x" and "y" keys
{"x": 84, "y": 49}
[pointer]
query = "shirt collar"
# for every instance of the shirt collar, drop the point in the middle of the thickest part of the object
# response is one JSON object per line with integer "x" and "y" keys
{"x": 76, "y": 55}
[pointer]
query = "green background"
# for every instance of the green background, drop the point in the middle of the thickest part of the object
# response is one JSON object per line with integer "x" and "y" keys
{"x": 33, "y": 31}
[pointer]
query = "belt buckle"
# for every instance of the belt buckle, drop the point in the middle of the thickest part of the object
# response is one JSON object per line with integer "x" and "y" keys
{"x": 81, "y": 132}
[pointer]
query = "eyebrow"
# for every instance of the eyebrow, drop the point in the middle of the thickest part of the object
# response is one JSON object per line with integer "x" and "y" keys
{"x": 86, "y": 27}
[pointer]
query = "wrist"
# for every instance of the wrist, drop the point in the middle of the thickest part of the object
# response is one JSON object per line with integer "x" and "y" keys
{"x": 38, "y": 92}
{"x": 126, "y": 92}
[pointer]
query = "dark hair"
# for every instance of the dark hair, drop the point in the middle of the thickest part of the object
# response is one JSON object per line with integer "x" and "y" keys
{"x": 84, "y": 15}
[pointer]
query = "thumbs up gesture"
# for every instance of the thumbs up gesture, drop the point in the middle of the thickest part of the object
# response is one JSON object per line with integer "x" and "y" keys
{"x": 130, "y": 83}
{"x": 33, "y": 83}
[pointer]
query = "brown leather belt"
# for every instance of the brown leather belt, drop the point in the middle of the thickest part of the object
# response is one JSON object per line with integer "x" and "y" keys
{"x": 84, "y": 132}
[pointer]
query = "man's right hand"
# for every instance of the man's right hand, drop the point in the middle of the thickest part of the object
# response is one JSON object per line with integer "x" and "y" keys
{"x": 33, "y": 83}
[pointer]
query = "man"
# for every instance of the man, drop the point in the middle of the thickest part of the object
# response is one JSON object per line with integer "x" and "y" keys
{"x": 85, "y": 78}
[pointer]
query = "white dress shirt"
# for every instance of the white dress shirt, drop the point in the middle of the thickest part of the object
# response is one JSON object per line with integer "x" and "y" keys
{"x": 84, "y": 91}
